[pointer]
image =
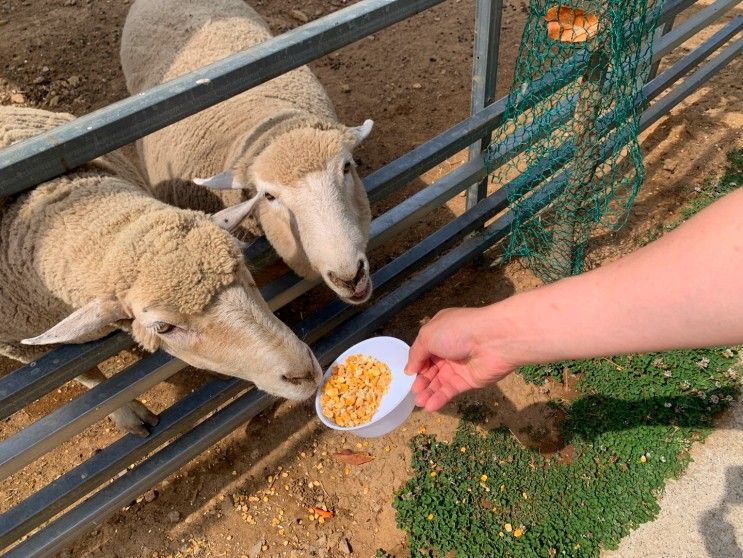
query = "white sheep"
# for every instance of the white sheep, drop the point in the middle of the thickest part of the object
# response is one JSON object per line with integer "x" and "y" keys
{"x": 91, "y": 250}
{"x": 280, "y": 141}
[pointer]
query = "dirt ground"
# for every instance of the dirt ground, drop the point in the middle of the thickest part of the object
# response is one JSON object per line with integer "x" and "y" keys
{"x": 249, "y": 495}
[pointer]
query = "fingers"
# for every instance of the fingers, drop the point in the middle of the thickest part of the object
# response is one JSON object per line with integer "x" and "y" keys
{"x": 436, "y": 394}
{"x": 438, "y": 385}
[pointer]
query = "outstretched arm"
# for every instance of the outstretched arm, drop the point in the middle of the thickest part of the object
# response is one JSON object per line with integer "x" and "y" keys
{"x": 682, "y": 291}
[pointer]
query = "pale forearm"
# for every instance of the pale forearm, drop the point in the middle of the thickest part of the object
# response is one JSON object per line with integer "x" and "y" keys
{"x": 683, "y": 291}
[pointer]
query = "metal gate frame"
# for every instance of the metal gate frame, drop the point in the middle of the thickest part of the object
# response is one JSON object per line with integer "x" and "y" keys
{"x": 184, "y": 432}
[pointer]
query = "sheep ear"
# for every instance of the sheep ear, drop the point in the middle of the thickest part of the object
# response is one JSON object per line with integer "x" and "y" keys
{"x": 223, "y": 181}
{"x": 360, "y": 133}
{"x": 230, "y": 217}
{"x": 82, "y": 324}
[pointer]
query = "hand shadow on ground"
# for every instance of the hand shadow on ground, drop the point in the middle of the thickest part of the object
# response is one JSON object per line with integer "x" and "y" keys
{"x": 539, "y": 425}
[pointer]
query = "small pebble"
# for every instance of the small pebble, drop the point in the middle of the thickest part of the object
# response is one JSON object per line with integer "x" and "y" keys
{"x": 344, "y": 546}
{"x": 174, "y": 516}
{"x": 150, "y": 496}
{"x": 17, "y": 99}
{"x": 299, "y": 15}
{"x": 255, "y": 550}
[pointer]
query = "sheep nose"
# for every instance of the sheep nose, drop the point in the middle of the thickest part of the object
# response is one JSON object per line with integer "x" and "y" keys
{"x": 351, "y": 282}
{"x": 307, "y": 375}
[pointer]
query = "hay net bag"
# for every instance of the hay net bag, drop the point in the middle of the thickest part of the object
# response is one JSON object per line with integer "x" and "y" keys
{"x": 572, "y": 115}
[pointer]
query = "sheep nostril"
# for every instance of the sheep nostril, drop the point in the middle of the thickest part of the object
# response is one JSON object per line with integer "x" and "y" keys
{"x": 361, "y": 271}
{"x": 296, "y": 380}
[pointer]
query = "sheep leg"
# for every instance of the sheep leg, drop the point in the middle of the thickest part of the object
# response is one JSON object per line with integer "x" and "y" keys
{"x": 133, "y": 417}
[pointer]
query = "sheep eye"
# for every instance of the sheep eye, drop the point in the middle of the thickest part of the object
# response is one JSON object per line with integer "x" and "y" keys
{"x": 347, "y": 168}
{"x": 269, "y": 197}
{"x": 162, "y": 328}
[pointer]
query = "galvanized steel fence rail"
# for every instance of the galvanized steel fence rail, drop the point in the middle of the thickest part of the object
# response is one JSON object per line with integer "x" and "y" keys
{"x": 333, "y": 327}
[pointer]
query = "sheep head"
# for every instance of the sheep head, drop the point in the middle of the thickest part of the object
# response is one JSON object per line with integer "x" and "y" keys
{"x": 311, "y": 204}
{"x": 179, "y": 283}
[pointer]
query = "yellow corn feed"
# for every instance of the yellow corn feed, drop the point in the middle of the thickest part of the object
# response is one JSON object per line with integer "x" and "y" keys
{"x": 354, "y": 390}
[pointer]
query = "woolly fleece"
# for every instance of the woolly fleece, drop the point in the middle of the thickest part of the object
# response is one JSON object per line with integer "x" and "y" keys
{"x": 91, "y": 234}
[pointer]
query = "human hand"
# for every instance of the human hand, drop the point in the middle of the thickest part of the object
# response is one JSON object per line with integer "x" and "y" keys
{"x": 449, "y": 358}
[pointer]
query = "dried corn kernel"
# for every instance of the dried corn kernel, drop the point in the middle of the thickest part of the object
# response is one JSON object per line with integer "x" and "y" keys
{"x": 354, "y": 390}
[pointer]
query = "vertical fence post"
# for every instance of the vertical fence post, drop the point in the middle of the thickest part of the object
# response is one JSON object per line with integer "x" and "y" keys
{"x": 484, "y": 75}
{"x": 659, "y": 32}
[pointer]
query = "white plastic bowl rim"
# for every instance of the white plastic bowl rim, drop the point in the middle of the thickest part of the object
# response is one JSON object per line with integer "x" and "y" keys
{"x": 394, "y": 353}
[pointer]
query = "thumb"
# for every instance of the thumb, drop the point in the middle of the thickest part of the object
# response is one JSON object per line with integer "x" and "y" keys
{"x": 419, "y": 356}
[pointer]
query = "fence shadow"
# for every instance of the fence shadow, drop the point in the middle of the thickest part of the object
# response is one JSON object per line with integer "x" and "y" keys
{"x": 673, "y": 185}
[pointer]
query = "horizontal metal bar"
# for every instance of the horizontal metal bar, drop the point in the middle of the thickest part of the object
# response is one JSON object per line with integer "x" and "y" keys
{"x": 287, "y": 288}
{"x": 43, "y": 157}
{"x": 690, "y": 84}
{"x": 184, "y": 449}
{"x": 434, "y": 151}
{"x": 102, "y": 466}
{"x": 691, "y": 27}
{"x": 145, "y": 475}
{"x": 33, "y": 380}
{"x": 662, "y": 82}
{"x": 47, "y": 432}
{"x": 417, "y": 206}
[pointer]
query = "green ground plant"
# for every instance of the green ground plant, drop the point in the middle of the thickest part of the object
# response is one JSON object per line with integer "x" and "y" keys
{"x": 629, "y": 430}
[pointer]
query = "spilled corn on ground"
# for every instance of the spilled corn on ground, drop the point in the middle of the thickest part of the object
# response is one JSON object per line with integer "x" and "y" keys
{"x": 354, "y": 390}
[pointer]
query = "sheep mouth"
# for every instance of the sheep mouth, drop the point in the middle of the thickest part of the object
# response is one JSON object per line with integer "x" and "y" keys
{"x": 361, "y": 296}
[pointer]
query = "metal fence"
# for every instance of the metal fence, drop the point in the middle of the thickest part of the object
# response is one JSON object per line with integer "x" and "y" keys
{"x": 35, "y": 527}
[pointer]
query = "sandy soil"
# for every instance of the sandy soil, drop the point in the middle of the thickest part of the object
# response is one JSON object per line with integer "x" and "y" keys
{"x": 249, "y": 495}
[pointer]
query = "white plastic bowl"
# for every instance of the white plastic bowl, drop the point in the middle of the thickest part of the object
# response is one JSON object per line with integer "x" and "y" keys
{"x": 397, "y": 403}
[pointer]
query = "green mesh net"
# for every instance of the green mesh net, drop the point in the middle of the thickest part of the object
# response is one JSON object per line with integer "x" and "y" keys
{"x": 572, "y": 118}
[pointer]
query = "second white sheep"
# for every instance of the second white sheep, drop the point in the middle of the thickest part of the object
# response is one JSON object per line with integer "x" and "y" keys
{"x": 280, "y": 141}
